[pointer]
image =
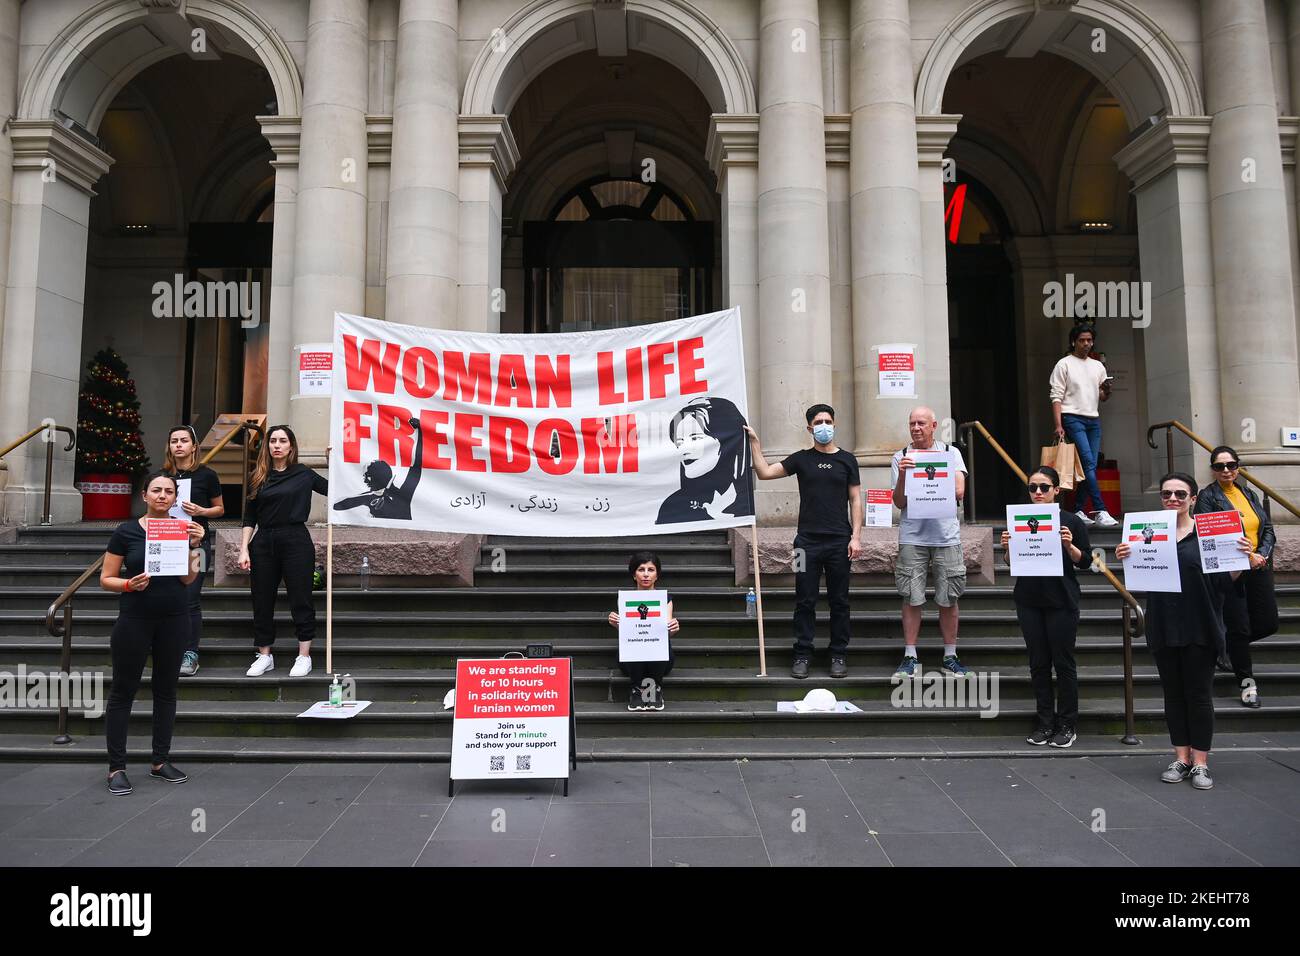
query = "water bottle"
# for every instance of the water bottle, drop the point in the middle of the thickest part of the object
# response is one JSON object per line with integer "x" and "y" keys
{"x": 751, "y": 604}
{"x": 336, "y": 693}
{"x": 365, "y": 572}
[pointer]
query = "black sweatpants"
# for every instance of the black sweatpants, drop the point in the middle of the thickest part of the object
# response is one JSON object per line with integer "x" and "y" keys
{"x": 832, "y": 556}
{"x": 1249, "y": 613}
{"x": 194, "y": 592}
{"x": 134, "y": 640}
{"x": 1049, "y": 635}
{"x": 637, "y": 671}
{"x": 282, "y": 553}
{"x": 1187, "y": 678}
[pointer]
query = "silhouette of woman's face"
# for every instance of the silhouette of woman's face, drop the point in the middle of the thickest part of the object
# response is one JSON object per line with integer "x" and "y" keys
{"x": 698, "y": 452}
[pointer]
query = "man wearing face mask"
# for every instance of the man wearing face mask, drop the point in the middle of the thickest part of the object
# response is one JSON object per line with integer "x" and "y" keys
{"x": 828, "y": 533}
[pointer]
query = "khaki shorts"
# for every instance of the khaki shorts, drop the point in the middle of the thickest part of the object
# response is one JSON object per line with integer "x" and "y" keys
{"x": 914, "y": 560}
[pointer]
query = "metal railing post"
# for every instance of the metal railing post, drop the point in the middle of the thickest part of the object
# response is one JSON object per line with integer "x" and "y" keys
{"x": 46, "y": 517}
{"x": 65, "y": 666}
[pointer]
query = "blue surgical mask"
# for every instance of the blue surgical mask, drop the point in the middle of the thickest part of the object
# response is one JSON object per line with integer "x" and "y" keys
{"x": 823, "y": 433}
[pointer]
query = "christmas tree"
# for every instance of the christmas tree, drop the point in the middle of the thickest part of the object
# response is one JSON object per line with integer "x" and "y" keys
{"x": 108, "y": 420}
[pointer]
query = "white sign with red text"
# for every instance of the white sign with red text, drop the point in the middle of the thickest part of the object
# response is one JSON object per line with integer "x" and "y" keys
{"x": 511, "y": 719}
{"x": 167, "y": 547}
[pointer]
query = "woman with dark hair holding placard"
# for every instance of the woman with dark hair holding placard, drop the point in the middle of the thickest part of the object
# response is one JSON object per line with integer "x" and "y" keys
{"x": 1250, "y": 608}
{"x": 644, "y": 567}
{"x": 204, "y": 504}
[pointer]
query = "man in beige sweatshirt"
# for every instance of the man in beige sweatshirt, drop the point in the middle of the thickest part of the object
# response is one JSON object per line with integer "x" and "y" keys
{"x": 1078, "y": 386}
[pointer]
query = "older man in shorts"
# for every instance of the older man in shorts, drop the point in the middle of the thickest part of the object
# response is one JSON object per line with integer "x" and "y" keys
{"x": 925, "y": 544}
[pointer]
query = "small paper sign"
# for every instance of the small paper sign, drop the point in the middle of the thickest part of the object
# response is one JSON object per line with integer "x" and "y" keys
{"x": 182, "y": 495}
{"x": 897, "y": 368}
{"x": 880, "y": 507}
{"x": 1152, "y": 564}
{"x": 642, "y": 626}
{"x": 1218, "y": 533}
{"x": 1035, "y": 543}
{"x": 316, "y": 370}
{"x": 930, "y": 487}
{"x": 167, "y": 547}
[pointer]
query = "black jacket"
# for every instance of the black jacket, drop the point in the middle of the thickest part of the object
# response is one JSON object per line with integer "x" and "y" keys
{"x": 1213, "y": 499}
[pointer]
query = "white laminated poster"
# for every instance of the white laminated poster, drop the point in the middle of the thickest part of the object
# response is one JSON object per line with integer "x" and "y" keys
{"x": 642, "y": 626}
{"x": 316, "y": 369}
{"x": 880, "y": 507}
{"x": 512, "y": 719}
{"x": 1218, "y": 533}
{"x": 897, "y": 368}
{"x": 1152, "y": 564}
{"x": 327, "y": 711}
{"x": 1035, "y": 543}
{"x": 930, "y": 489}
{"x": 167, "y": 547}
{"x": 182, "y": 495}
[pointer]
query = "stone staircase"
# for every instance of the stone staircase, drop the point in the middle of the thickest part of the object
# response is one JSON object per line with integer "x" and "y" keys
{"x": 401, "y": 644}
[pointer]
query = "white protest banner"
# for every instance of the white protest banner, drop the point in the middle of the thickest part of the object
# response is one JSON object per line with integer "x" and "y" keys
{"x": 511, "y": 719}
{"x": 929, "y": 486}
{"x": 880, "y": 507}
{"x": 1152, "y": 564}
{"x": 182, "y": 495}
{"x": 897, "y": 368}
{"x": 620, "y": 432}
{"x": 315, "y": 369}
{"x": 642, "y": 626}
{"x": 1035, "y": 544}
{"x": 167, "y": 547}
{"x": 1218, "y": 533}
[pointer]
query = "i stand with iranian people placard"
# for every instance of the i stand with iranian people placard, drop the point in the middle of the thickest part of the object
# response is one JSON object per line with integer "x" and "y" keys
{"x": 930, "y": 488}
{"x": 642, "y": 626}
{"x": 1035, "y": 543}
{"x": 1152, "y": 564}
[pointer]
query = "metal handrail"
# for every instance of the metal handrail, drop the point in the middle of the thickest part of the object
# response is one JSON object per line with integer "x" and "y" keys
{"x": 63, "y": 629}
{"x": 47, "y": 428}
{"x": 1169, "y": 458}
{"x": 977, "y": 426}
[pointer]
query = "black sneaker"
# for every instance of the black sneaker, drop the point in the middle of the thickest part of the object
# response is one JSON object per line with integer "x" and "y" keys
{"x": 634, "y": 701}
{"x": 118, "y": 785}
{"x": 839, "y": 667}
{"x": 659, "y": 698}
{"x": 169, "y": 773}
{"x": 1063, "y": 737}
{"x": 1222, "y": 663}
{"x": 799, "y": 668}
{"x": 1040, "y": 736}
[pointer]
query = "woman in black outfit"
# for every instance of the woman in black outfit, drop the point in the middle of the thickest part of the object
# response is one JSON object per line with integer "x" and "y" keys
{"x": 1048, "y": 612}
{"x": 279, "y": 501}
{"x": 1250, "y": 608}
{"x": 1183, "y": 635}
{"x": 644, "y": 567}
{"x": 153, "y": 620}
{"x": 182, "y": 461}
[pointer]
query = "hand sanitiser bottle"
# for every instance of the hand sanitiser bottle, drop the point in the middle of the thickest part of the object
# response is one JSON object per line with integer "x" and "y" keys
{"x": 336, "y": 693}
{"x": 751, "y": 604}
{"x": 365, "y": 572}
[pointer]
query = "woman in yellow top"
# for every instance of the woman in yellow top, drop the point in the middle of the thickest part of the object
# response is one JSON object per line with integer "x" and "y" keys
{"x": 1250, "y": 608}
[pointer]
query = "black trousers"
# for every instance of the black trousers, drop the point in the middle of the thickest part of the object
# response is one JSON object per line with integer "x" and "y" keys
{"x": 134, "y": 640}
{"x": 637, "y": 671}
{"x": 283, "y": 553}
{"x": 1187, "y": 678}
{"x": 1249, "y": 613}
{"x": 194, "y": 591}
{"x": 830, "y": 555}
{"x": 1049, "y": 635}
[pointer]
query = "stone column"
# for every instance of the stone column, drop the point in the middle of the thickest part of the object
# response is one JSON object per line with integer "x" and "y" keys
{"x": 488, "y": 155}
{"x": 8, "y": 107}
{"x": 283, "y": 133}
{"x": 840, "y": 227}
{"x": 54, "y": 172}
{"x": 933, "y": 134}
{"x": 888, "y": 281}
{"x": 1258, "y": 372}
{"x": 793, "y": 254}
{"x": 330, "y": 227}
{"x": 423, "y": 214}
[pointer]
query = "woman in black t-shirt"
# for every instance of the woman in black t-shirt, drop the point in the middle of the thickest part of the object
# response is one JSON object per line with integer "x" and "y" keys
{"x": 205, "y": 503}
{"x": 153, "y": 620}
{"x": 647, "y": 676}
{"x": 1183, "y": 632}
{"x": 279, "y": 502}
{"x": 1048, "y": 612}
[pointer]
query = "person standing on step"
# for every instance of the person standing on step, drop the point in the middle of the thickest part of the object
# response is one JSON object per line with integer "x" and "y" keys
{"x": 647, "y": 676}
{"x": 1250, "y": 608}
{"x": 828, "y": 535}
{"x": 204, "y": 504}
{"x": 152, "y": 621}
{"x": 1077, "y": 387}
{"x": 925, "y": 543}
{"x": 1048, "y": 611}
{"x": 279, "y": 502}
{"x": 1182, "y": 631}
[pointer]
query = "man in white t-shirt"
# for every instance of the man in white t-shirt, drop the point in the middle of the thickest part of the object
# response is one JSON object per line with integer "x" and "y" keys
{"x": 1078, "y": 385}
{"x": 928, "y": 542}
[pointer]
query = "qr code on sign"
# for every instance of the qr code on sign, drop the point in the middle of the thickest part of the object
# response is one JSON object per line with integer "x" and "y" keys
{"x": 523, "y": 762}
{"x": 497, "y": 763}
{"x": 153, "y": 567}
{"x": 155, "y": 549}
{"x": 1211, "y": 564}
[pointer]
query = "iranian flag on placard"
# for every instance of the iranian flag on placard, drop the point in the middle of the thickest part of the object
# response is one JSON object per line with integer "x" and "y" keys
{"x": 1154, "y": 526}
{"x": 634, "y": 607}
{"x": 920, "y": 467}
{"x": 1043, "y": 522}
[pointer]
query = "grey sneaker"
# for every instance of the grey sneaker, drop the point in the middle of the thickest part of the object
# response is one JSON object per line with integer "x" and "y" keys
{"x": 1040, "y": 736}
{"x": 799, "y": 669}
{"x": 1064, "y": 737}
{"x": 1201, "y": 778}
{"x": 190, "y": 664}
{"x": 1176, "y": 772}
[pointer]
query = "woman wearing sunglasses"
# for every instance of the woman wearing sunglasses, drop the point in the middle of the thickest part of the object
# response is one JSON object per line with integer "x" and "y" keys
{"x": 1183, "y": 630}
{"x": 1250, "y": 608}
{"x": 1048, "y": 612}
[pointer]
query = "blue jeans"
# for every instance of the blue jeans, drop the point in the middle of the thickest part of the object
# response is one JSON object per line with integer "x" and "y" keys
{"x": 1086, "y": 434}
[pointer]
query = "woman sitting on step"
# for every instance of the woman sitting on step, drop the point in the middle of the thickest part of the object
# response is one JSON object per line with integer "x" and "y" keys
{"x": 647, "y": 677}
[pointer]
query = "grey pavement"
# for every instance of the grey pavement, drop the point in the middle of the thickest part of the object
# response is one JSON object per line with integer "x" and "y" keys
{"x": 902, "y": 811}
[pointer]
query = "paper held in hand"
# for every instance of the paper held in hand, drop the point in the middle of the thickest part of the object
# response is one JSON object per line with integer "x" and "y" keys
{"x": 183, "y": 486}
{"x": 930, "y": 488}
{"x": 1152, "y": 565}
{"x": 1035, "y": 544}
{"x": 1218, "y": 533}
{"x": 642, "y": 626}
{"x": 167, "y": 547}
{"x": 880, "y": 507}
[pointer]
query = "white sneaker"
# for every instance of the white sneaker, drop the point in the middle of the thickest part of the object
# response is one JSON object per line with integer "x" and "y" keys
{"x": 1105, "y": 520}
{"x": 261, "y": 664}
{"x": 301, "y": 667}
{"x": 1083, "y": 516}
